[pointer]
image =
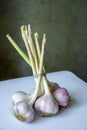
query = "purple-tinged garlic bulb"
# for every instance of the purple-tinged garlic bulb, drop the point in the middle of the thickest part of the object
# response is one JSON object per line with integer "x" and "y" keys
{"x": 46, "y": 105}
{"x": 62, "y": 96}
{"x": 23, "y": 111}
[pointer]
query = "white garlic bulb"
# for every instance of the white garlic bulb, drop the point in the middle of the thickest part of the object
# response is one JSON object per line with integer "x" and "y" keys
{"x": 23, "y": 111}
{"x": 19, "y": 96}
{"x": 46, "y": 105}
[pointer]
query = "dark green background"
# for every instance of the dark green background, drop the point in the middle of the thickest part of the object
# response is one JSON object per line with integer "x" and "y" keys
{"x": 64, "y": 22}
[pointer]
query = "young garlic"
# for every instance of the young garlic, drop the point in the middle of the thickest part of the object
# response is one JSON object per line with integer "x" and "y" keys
{"x": 48, "y": 96}
{"x": 62, "y": 96}
{"x": 46, "y": 105}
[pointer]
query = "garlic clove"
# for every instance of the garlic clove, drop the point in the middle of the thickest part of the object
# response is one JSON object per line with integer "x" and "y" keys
{"x": 23, "y": 112}
{"x": 19, "y": 96}
{"x": 62, "y": 96}
{"x": 46, "y": 105}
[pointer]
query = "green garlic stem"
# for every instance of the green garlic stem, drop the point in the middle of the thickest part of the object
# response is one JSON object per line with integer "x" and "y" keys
{"x": 45, "y": 82}
{"x": 33, "y": 61}
{"x": 23, "y": 31}
{"x": 14, "y": 44}
{"x": 30, "y": 41}
{"x": 36, "y": 36}
{"x": 37, "y": 43}
{"x": 34, "y": 53}
{"x": 30, "y": 52}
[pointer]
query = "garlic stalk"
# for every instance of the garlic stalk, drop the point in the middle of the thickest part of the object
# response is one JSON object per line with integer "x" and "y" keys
{"x": 30, "y": 41}
{"x": 35, "y": 52}
{"x": 36, "y": 36}
{"x": 30, "y": 47}
{"x": 24, "y": 36}
{"x": 40, "y": 73}
{"x": 14, "y": 44}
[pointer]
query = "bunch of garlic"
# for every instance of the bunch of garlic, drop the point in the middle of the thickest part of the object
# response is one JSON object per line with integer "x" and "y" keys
{"x": 47, "y": 97}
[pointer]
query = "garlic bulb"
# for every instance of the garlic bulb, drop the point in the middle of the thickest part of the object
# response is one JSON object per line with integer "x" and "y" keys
{"x": 23, "y": 111}
{"x": 19, "y": 96}
{"x": 46, "y": 105}
{"x": 62, "y": 96}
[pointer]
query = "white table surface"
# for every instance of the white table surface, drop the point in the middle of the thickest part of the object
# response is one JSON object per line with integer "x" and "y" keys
{"x": 72, "y": 118}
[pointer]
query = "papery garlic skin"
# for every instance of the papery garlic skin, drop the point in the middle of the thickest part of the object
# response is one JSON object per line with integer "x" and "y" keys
{"x": 53, "y": 86}
{"x": 62, "y": 96}
{"x": 23, "y": 112}
{"x": 46, "y": 105}
{"x": 19, "y": 96}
